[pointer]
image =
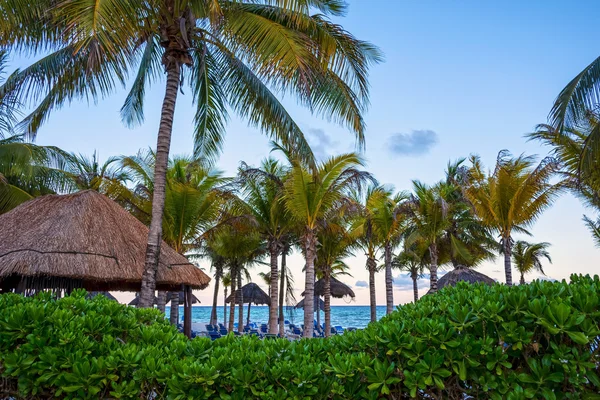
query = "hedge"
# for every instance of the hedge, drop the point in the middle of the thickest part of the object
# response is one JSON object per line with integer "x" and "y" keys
{"x": 472, "y": 341}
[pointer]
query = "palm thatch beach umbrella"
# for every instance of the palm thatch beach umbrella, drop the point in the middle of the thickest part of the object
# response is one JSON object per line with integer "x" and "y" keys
{"x": 320, "y": 301}
{"x": 250, "y": 293}
{"x": 85, "y": 240}
{"x": 109, "y": 296}
{"x": 338, "y": 289}
{"x": 181, "y": 299}
{"x": 463, "y": 274}
{"x": 136, "y": 300}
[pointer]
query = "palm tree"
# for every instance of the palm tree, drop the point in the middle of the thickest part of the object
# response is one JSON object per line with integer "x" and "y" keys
{"x": 261, "y": 193}
{"x": 388, "y": 223}
{"x": 233, "y": 53}
{"x": 573, "y": 108}
{"x": 428, "y": 211}
{"x": 368, "y": 238}
{"x": 226, "y": 283}
{"x": 528, "y": 257}
{"x": 28, "y": 170}
{"x": 309, "y": 196}
{"x": 411, "y": 260}
{"x": 512, "y": 197}
{"x": 105, "y": 178}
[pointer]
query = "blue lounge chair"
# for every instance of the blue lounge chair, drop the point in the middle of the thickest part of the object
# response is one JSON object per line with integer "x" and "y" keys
{"x": 210, "y": 328}
{"x": 339, "y": 329}
{"x": 297, "y": 331}
{"x": 223, "y": 331}
{"x": 214, "y": 335}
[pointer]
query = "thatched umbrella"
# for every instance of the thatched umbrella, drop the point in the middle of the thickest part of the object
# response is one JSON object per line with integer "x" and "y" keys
{"x": 136, "y": 300}
{"x": 109, "y": 296}
{"x": 463, "y": 274}
{"x": 181, "y": 299}
{"x": 251, "y": 293}
{"x": 338, "y": 290}
{"x": 320, "y": 301}
{"x": 84, "y": 240}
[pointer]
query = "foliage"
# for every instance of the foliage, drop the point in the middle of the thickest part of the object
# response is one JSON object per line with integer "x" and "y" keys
{"x": 527, "y": 257}
{"x": 529, "y": 341}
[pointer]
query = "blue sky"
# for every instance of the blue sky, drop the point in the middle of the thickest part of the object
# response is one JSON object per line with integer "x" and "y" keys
{"x": 459, "y": 78}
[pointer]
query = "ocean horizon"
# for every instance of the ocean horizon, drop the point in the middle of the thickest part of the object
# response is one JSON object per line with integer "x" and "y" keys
{"x": 354, "y": 316}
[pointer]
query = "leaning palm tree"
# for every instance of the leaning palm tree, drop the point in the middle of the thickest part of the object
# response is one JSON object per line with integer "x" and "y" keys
{"x": 512, "y": 197}
{"x": 230, "y": 53}
{"x": 309, "y": 196}
{"x": 389, "y": 224}
{"x": 428, "y": 212}
{"x": 527, "y": 257}
{"x": 261, "y": 193}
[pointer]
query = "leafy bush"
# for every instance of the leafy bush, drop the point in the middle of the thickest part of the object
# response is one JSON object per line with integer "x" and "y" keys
{"x": 531, "y": 341}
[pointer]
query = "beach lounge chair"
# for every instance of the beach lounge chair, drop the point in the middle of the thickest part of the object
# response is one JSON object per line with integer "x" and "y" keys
{"x": 214, "y": 335}
{"x": 223, "y": 331}
{"x": 210, "y": 328}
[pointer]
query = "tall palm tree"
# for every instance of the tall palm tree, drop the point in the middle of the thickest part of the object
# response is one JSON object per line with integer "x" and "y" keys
{"x": 368, "y": 238}
{"x": 262, "y": 190}
{"x": 528, "y": 257}
{"x": 233, "y": 53}
{"x": 428, "y": 212}
{"x": 28, "y": 170}
{"x": 512, "y": 197}
{"x": 389, "y": 224}
{"x": 309, "y": 196}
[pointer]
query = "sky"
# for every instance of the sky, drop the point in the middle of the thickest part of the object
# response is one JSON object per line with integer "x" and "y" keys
{"x": 459, "y": 78}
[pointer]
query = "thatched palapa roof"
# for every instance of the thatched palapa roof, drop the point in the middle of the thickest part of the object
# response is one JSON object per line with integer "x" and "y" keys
{"x": 181, "y": 299}
{"x": 109, "y": 296}
{"x": 83, "y": 240}
{"x": 321, "y": 304}
{"x": 252, "y": 293}
{"x": 338, "y": 289}
{"x": 463, "y": 274}
{"x": 136, "y": 300}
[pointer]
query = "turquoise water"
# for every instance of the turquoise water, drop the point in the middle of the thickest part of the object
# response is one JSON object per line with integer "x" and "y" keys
{"x": 346, "y": 316}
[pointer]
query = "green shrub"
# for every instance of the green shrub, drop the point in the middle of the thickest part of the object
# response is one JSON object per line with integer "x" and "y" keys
{"x": 531, "y": 341}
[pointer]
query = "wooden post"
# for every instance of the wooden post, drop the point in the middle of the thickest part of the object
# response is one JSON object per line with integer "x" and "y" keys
{"x": 187, "y": 312}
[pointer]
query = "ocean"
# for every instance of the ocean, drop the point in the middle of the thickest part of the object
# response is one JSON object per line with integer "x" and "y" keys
{"x": 346, "y": 316}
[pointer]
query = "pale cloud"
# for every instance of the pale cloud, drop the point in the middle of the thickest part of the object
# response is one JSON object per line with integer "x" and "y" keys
{"x": 416, "y": 143}
{"x": 361, "y": 284}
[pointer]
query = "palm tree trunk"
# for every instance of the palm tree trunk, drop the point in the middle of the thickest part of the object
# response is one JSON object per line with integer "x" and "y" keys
{"x": 327, "y": 295}
{"x": 433, "y": 278}
{"x": 241, "y": 305}
{"x": 161, "y": 300}
{"x": 507, "y": 263}
{"x": 158, "y": 196}
{"x": 233, "y": 298}
{"x": 415, "y": 287}
{"x": 282, "y": 293}
{"x": 225, "y": 305}
{"x": 389, "y": 281}
{"x": 372, "y": 266}
{"x": 310, "y": 252}
{"x": 248, "y": 317}
{"x": 174, "y": 308}
{"x": 522, "y": 281}
{"x": 274, "y": 249}
{"x": 213, "y": 314}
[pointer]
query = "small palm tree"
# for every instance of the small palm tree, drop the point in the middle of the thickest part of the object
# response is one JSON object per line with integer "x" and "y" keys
{"x": 286, "y": 284}
{"x": 89, "y": 174}
{"x": 389, "y": 224}
{"x": 512, "y": 197}
{"x": 411, "y": 260}
{"x": 226, "y": 284}
{"x": 234, "y": 53}
{"x": 429, "y": 211}
{"x": 528, "y": 257}
{"x": 309, "y": 196}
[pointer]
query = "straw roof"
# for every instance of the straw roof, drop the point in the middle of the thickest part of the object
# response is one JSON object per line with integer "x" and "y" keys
{"x": 109, "y": 296}
{"x": 338, "y": 289}
{"x": 463, "y": 274}
{"x": 136, "y": 300}
{"x": 252, "y": 293}
{"x": 321, "y": 304}
{"x": 83, "y": 240}
{"x": 181, "y": 298}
